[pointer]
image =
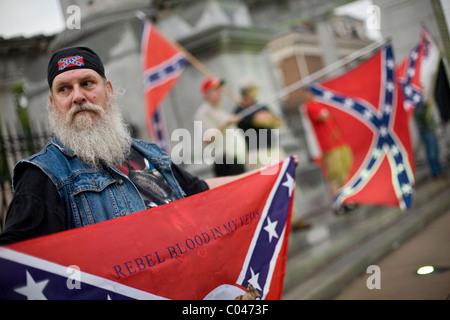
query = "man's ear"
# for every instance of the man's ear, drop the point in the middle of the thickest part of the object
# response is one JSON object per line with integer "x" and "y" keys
{"x": 109, "y": 86}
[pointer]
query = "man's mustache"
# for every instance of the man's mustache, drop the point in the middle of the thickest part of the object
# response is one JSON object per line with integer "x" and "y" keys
{"x": 77, "y": 108}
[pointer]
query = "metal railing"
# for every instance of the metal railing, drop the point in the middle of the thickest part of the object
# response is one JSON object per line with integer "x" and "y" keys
{"x": 14, "y": 146}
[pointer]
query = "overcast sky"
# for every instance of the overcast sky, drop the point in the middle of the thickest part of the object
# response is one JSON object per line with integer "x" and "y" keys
{"x": 31, "y": 17}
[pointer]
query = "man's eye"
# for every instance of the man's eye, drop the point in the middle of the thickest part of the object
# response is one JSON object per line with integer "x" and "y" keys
{"x": 62, "y": 89}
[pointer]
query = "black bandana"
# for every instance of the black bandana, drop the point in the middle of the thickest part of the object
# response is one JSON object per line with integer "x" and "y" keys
{"x": 73, "y": 58}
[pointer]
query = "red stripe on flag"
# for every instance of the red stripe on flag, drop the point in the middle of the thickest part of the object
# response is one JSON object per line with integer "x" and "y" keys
{"x": 157, "y": 53}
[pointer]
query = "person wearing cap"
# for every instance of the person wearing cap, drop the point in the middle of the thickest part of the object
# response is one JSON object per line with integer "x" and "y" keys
{"x": 229, "y": 148}
{"x": 337, "y": 158}
{"x": 257, "y": 118}
{"x": 92, "y": 170}
{"x": 254, "y": 117}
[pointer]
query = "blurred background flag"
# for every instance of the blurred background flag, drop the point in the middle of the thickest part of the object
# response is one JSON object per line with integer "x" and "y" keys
{"x": 364, "y": 103}
{"x": 431, "y": 55}
{"x": 422, "y": 76}
{"x": 162, "y": 65}
{"x": 408, "y": 72}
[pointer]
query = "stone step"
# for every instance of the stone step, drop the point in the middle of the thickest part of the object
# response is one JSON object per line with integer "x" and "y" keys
{"x": 336, "y": 238}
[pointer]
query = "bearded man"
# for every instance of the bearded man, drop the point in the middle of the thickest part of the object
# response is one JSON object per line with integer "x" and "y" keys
{"x": 92, "y": 170}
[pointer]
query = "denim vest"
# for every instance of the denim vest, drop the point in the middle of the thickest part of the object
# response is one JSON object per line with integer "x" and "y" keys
{"x": 92, "y": 195}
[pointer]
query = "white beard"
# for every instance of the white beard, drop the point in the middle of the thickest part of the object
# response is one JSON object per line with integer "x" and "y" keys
{"x": 94, "y": 136}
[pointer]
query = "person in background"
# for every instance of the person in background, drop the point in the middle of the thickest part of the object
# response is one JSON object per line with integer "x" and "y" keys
{"x": 257, "y": 122}
{"x": 229, "y": 153}
{"x": 337, "y": 156}
{"x": 427, "y": 127}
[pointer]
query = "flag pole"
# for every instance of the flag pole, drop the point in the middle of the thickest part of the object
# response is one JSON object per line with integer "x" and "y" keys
{"x": 192, "y": 60}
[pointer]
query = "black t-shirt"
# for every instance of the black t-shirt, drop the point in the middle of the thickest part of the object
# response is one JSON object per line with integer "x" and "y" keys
{"x": 37, "y": 209}
{"x": 153, "y": 188}
{"x": 246, "y": 123}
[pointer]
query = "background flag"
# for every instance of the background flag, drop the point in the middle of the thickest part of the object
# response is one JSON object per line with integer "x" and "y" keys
{"x": 208, "y": 246}
{"x": 408, "y": 72}
{"x": 367, "y": 105}
{"x": 431, "y": 55}
{"x": 162, "y": 64}
{"x": 418, "y": 73}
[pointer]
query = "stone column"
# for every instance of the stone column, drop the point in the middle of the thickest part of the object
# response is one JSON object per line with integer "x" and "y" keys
{"x": 326, "y": 40}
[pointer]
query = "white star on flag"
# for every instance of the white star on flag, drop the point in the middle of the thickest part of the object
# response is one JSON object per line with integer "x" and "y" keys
{"x": 289, "y": 183}
{"x": 254, "y": 280}
{"x": 349, "y": 103}
{"x": 33, "y": 290}
{"x": 270, "y": 228}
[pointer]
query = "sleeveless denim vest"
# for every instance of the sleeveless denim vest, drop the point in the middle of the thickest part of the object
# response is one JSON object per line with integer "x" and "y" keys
{"x": 93, "y": 195}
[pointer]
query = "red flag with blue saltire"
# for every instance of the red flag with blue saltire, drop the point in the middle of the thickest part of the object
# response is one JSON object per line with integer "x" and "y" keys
{"x": 409, "y": 75}
{"x": 162, "y": 64}
{"x": 418, "y": 70}
{"x": 210, "y": 245}
{"x": 367, "y": 105}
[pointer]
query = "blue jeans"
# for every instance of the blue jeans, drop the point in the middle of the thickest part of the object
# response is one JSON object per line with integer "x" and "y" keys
{"x": 432, "y": 151}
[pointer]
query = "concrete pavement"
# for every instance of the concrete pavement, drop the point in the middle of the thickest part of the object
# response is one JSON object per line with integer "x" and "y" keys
{"x": 326, "y": 259}
{"x": 398, "y": 277}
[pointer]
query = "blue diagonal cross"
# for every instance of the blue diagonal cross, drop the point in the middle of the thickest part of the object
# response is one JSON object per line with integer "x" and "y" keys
{"x": 412, "y": 93}
{"x": 161, "y": 73}
{"x": 73, "y": 60}
{"x": 385, "y": 141}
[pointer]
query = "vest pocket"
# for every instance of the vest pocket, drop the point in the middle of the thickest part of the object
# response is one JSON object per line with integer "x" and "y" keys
{"x": 94, "y": 200}
{"x": 91, "y": 183}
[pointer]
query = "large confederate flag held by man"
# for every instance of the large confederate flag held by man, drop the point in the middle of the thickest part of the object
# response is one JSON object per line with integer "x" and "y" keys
{"x": 212, "y": 245}
{"x": 367, "y": 105}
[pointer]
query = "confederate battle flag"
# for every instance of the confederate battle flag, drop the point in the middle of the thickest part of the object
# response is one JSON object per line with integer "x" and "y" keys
{"x": 367, "y": 105}
{"x": 417, "y": 71}
{"x": 162, "y": 64}
{"x": 211, "y": 245}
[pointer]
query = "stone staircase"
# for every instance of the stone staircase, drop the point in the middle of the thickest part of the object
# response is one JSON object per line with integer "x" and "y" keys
{"x": 324, "y": 259}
